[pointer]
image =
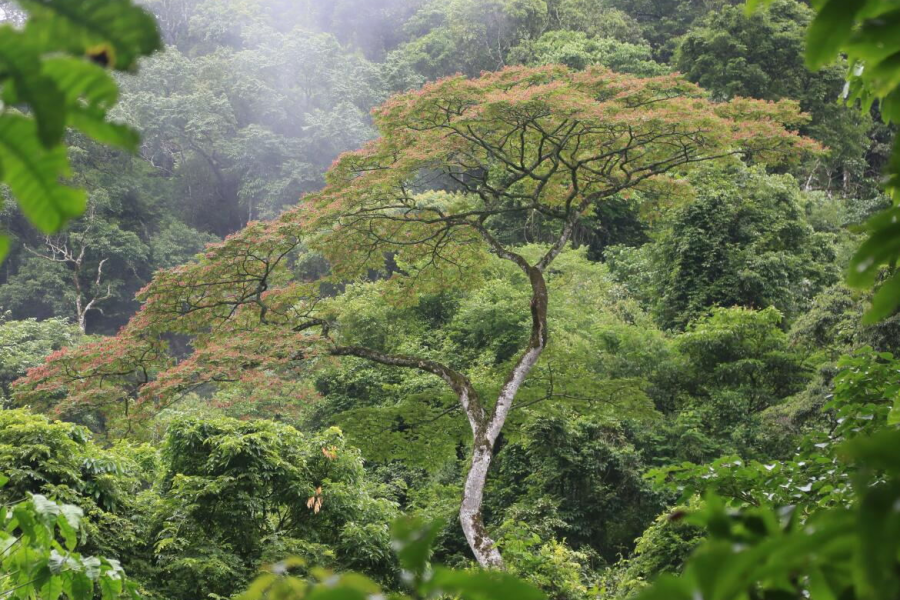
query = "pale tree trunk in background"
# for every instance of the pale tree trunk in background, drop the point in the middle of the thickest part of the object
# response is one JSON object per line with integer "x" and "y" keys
{"x": 59, "y": 251}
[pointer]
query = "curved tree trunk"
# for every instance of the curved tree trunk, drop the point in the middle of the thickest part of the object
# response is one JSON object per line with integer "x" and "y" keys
{"x": 485, "y": 434}
{"x": 483, "y": 547}
{"x": 485, "y": 429}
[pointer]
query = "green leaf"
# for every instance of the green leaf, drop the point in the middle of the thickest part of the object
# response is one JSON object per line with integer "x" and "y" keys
{"x": 80, "y": 79}
{"x": 337, "y": 593}
{"x": 72, "y": 514}
{"x": 668, "y": 587}
{"x": 45, "y": 508}
{"x": 879, "y": 532}
{"x": 893, "y": 183}
{"x": 890, "y": 107}
{"x": 413, "y": 540}
{"x": 82, "y": 587}
{"x": 24, "y": 516}
{"x": 894, "y": 415}
{"x": 114, "y": 134}
{"x": 751, "y": 6}
{"x": 819, "y": 589}
{"x": 877, "y": 8}
{"x": 885, "y": 300}
{"x": 70, "y": 536}
{"x": 882, "y": 245}
{"x": 132, "y": 589}
{"x": 876, "y": 39}
{"x": 91, "y": 566}
{"x": 29, "y": 86}
{"x": 884, "y": 76}
{"x": 878, "y": 451}
{"x": 120, "y": 28}
{"x": 829, "y": 30}
{"x": 57, "y": 562}
{"x": 32, "y": 173}
{"x": 51, "y": 589}
{"x": 257, "y": 589}
{"x": 482, "y": 585}
{"x": 110, "y": 588}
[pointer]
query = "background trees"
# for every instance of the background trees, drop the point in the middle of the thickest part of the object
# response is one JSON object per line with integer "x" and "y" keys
{"x": 236, "y": 124}
{"x": 743, "y": 240}
{"x": 760, "y": 55}
{"x": 518, "y": 141}
{"x": 215, "y": 156}
{"x": 25, "y": 344}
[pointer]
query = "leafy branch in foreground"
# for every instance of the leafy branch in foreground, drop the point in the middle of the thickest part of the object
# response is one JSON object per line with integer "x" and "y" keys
{"x": 867, "y": 33}
{"x": 412, "y": 541}
{"x": 34, "y": 564}
{"x": 54, "y": 73}
{"x": 847, "y": 552}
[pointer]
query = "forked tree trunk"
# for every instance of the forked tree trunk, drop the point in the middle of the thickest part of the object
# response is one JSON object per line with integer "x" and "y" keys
{"x": 485, "y": 428}
{"x": 486, "y": 432}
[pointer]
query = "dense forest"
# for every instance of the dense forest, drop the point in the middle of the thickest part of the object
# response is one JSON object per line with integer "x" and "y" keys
{"x": 478, "y": 299}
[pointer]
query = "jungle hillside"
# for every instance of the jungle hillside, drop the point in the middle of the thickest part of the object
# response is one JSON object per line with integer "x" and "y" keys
{"x": 449, "y": 300}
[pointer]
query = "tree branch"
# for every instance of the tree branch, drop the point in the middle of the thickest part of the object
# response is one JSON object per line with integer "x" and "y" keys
{"x": 459, "y": 383}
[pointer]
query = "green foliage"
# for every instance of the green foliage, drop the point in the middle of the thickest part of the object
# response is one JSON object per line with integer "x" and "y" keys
{"x": 50, "y": 458}
{"x": 760, "y": 55}
{"x": 38, "y": 538}
{"x": 745, "y": 351}
{"x": 596, "y": 18}
{"x": 550, "y": 565}
{"x": 832, "y": 326}
{"x": 576, "y": 478}
{"x": 819, "y": 525}
{"x": 730, "y": 370}
{"x": 235, "y": 494}
{"x": 744, "y": 393}
{"x": 663, "y": 22}
{"x": 848, "y": 551}
{"x": 412, "y": 540}
{"x": 471, "y": 36}
{"x": 25, "y": 344}
{"x": 866, "y": 33}
{"x": 742, "y": 241}
{"x": 54, "y": 69}
{"x": 60, "y": 461}
{"x": 663, "y": 548}
{"x": 863, "y": 396}
{"x": 577, "y": 51}
{"x": 879, "y": 248}
{"x": 221, "y": 498}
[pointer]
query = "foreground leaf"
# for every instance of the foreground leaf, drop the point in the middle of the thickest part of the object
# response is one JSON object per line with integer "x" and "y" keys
{"x": 32, "y": 173}
{"x": 119, "y": 28}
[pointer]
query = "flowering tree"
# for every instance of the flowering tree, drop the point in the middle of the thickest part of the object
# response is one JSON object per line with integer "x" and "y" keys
{"x": 454, "y": 160}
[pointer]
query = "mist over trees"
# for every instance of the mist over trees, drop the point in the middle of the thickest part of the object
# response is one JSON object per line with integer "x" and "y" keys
{"x": 541, "y": 277}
